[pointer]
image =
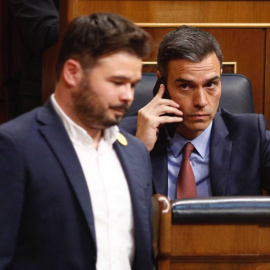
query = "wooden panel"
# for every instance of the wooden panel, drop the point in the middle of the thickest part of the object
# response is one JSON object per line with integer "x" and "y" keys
{"x": 215, "y": 246}
{"x": 202, "y": 239}
{"x": 250, "y": 59}
{"x": 222, "y": 266}
{"x": 263, "y": 244}
{"x": 182, "y": 11}
{"x": 247, "y": 48}
{"x": 48, "y": 72}
{"x": 68, "y": 11}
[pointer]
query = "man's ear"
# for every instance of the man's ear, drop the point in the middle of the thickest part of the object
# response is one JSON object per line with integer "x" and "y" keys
{"x": 72, "y": 72}
{"x": 158, "y": 75}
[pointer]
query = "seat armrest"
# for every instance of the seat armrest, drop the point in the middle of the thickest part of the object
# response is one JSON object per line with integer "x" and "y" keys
{"x": 222, "y": 210}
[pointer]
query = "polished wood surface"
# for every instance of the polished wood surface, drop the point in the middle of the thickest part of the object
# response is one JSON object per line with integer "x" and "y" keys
{"x": 164, "y": 231}
{"x": 211, "y": 246}
{"x": 181, "y": 11}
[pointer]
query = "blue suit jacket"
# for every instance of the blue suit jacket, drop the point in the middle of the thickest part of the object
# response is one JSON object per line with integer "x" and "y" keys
{"x": 45, "y": 207}
{"x": 239, "y": 155}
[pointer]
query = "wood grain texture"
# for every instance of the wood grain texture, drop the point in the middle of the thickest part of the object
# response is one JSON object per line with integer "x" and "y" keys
{"x": 182, "y": 11}
{"x": 215, "y": 246}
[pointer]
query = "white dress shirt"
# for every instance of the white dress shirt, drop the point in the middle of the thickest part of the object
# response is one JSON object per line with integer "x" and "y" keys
{"x": 109, "y": 192}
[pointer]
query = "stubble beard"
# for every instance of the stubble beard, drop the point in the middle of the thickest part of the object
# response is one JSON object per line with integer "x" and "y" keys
{"x": 87, "y": 109}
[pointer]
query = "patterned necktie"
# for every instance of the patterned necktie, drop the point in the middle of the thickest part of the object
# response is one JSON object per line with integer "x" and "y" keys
{"x": 186, "y": 186}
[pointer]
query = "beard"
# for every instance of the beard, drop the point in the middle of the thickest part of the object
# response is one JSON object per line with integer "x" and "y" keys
{"x": 91, "y": 110}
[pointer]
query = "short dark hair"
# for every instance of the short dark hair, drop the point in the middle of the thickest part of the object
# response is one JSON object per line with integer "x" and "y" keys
{"x": 89, "y": 37}
{"x": 188, "y": 43}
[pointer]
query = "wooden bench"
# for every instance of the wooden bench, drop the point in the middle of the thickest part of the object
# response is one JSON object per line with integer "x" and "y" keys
{"x": 218, "y": 233}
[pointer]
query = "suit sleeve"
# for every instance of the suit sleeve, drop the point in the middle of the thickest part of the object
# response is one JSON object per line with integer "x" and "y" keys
{"x": 129, "y": 124}
{"x": 11, "y": 197}
{"x": 37, "y": 21}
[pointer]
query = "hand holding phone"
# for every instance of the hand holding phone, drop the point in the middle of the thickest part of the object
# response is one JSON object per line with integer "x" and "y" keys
{"x": 161, "y": 110}
{"x": 170, "y": 127}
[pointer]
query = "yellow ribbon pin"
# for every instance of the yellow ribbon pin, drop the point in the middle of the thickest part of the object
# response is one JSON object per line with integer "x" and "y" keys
{"x": 121, "y": 138}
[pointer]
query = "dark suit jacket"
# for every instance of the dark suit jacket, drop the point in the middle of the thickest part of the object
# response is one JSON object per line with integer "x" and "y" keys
{"x": 45, "y": 207}
{"x": 239, "y": 155}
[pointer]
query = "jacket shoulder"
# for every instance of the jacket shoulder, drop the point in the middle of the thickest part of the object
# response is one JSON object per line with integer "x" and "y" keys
{"x": 129, "y": 124}
{"x": 130, "y": 137}
{"x": 239, "y": 123}
{"x": 246, "y": 119}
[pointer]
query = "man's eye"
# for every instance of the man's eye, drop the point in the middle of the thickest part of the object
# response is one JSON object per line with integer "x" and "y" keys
{"x": 184, "y": 86}
{"x": 211, "y": 84}
{"x": 118, "y": 83}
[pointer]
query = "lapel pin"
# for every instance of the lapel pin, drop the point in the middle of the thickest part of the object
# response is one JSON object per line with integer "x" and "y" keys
{"x": 121, "y": 138}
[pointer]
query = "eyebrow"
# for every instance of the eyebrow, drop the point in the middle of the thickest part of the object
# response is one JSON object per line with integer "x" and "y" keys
{"x": 120, "y": 77}
{"x": 124, "y": 78}
{"x": 191, "y": 81}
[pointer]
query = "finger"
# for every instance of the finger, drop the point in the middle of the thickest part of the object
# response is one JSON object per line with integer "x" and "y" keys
{"x": 170, "y": 103}
{"x": 169, "y": 119}
{"x": 172, "y": 110}
{"x": 161, "y": 91}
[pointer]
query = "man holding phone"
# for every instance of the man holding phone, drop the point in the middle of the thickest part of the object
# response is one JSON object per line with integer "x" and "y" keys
{"x": 231, "y": 154}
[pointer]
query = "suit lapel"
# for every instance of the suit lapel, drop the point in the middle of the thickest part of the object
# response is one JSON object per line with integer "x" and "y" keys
{"x": 140, "y": 192}
{"x": 220, "y": 156}
{"x": 55, "y": 134}
{"x": 130, "y": 167}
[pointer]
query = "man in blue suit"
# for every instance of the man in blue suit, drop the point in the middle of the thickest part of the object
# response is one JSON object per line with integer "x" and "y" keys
{"x": 231, "y": 153}
{"x": 75, "y": 191}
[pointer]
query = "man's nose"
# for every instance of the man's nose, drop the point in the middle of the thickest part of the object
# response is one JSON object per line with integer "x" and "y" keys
{"x": 200, "y": 98}
{"x": 127, "y": 93}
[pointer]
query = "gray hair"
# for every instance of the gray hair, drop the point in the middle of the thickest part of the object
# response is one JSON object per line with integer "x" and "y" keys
{"x": 188, "y": 43}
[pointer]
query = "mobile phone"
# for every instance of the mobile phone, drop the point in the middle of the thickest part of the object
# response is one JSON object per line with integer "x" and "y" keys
{"x": 171, "y": 128}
